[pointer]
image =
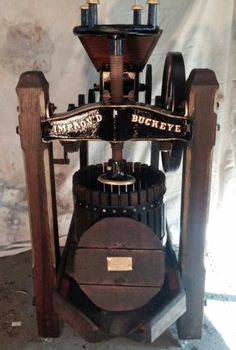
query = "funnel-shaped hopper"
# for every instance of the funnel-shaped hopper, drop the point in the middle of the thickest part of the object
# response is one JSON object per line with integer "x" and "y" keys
{"x": 138, "y": 44}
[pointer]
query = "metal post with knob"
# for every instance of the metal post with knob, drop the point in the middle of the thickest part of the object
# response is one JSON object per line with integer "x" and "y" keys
{"x": 152, "y": 12}
{"x": 93, "y": 13}
{"x": 84, "y": 15}
{"x": 137, "y": 14}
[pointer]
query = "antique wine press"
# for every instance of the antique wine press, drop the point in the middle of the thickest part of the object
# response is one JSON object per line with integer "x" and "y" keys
{"x": 118, "y": 274}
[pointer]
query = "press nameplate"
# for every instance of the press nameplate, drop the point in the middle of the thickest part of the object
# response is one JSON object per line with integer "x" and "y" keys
{"x": 119, "y": 264}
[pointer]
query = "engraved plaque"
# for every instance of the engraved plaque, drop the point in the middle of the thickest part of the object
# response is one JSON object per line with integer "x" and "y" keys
{"x": 119, "y": 264}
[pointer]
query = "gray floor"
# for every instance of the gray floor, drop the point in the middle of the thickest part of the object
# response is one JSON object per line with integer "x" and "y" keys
{"x": 18, "y": 325}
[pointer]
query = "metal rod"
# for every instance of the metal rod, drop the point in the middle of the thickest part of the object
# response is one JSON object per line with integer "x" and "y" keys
{"x": 93, "y": 13}
{"x": 84, "y": 15}
{"x": 117, "y": 154}
{"x": 116, "y": 67}
{"x": 137, "y": 14}
{"x": 152, "y": 12}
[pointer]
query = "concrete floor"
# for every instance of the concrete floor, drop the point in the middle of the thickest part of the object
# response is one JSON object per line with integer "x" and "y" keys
{"x": 18, "y": 325}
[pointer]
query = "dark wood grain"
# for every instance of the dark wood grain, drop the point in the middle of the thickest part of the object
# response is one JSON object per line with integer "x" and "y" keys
{"x": 202, "y": 87}
{"x": 137, "y": 50}
{"x": 150, "y": 216}
{"x": 84, "y": 156}
{"x": 32, "y": 91}
{"x": 129, "y": 288}
{"x": 118, "y": 298}
{"x": 142, "y": 200}
{"x": 126, "y": 233}
{"x": 147, "y": 271}
{"x": 78, "y": 321}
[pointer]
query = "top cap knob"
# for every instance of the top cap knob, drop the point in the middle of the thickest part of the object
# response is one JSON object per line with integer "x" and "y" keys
{"x": 152, "y": 12}
{"x": 84, "y": 7}
{"x": 153, "y": 2}
{"x": 137, "y": 7}
{"x": 93, "y": 1}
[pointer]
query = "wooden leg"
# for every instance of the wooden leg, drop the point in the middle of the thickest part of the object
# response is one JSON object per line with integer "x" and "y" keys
{"x": 32, "y": 91}
{"x": 195, "y": 198}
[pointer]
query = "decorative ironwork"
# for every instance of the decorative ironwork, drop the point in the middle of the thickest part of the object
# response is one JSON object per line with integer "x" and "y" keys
{"x": 117, "y": 123}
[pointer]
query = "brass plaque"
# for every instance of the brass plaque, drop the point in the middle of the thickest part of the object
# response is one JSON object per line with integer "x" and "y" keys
{"x": 119, "y": 264}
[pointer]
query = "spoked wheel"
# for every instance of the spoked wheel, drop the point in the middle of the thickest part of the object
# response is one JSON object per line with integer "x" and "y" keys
{"x": 173, "y": 99}
{"x": 148, "y": 100}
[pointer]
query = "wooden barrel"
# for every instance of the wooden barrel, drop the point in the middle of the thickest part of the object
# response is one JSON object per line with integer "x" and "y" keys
{"x": 117, "y": 258}
{"x": 142, "y": 202}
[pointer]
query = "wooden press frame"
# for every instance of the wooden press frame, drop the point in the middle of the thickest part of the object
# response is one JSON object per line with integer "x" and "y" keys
{"x": 33, "y": 96}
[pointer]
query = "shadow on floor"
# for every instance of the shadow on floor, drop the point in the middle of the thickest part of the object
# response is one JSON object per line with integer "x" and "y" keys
{"x": 18, "y": 324}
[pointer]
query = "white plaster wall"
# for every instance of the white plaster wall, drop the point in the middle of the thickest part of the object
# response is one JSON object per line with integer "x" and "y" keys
{"x": 37, "y": 35}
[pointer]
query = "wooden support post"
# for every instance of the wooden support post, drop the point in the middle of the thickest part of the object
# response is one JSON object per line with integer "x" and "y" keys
{"x": 84, "y": 154}
{"x": 202, "y": 89}
{"x": 32, "y": 91}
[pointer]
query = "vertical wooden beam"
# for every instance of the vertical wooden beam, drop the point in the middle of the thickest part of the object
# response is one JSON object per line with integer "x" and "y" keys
{"x": 32, "y": 91}
{"x": 84, "y": 154}
{"x": 202, "y": 87}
